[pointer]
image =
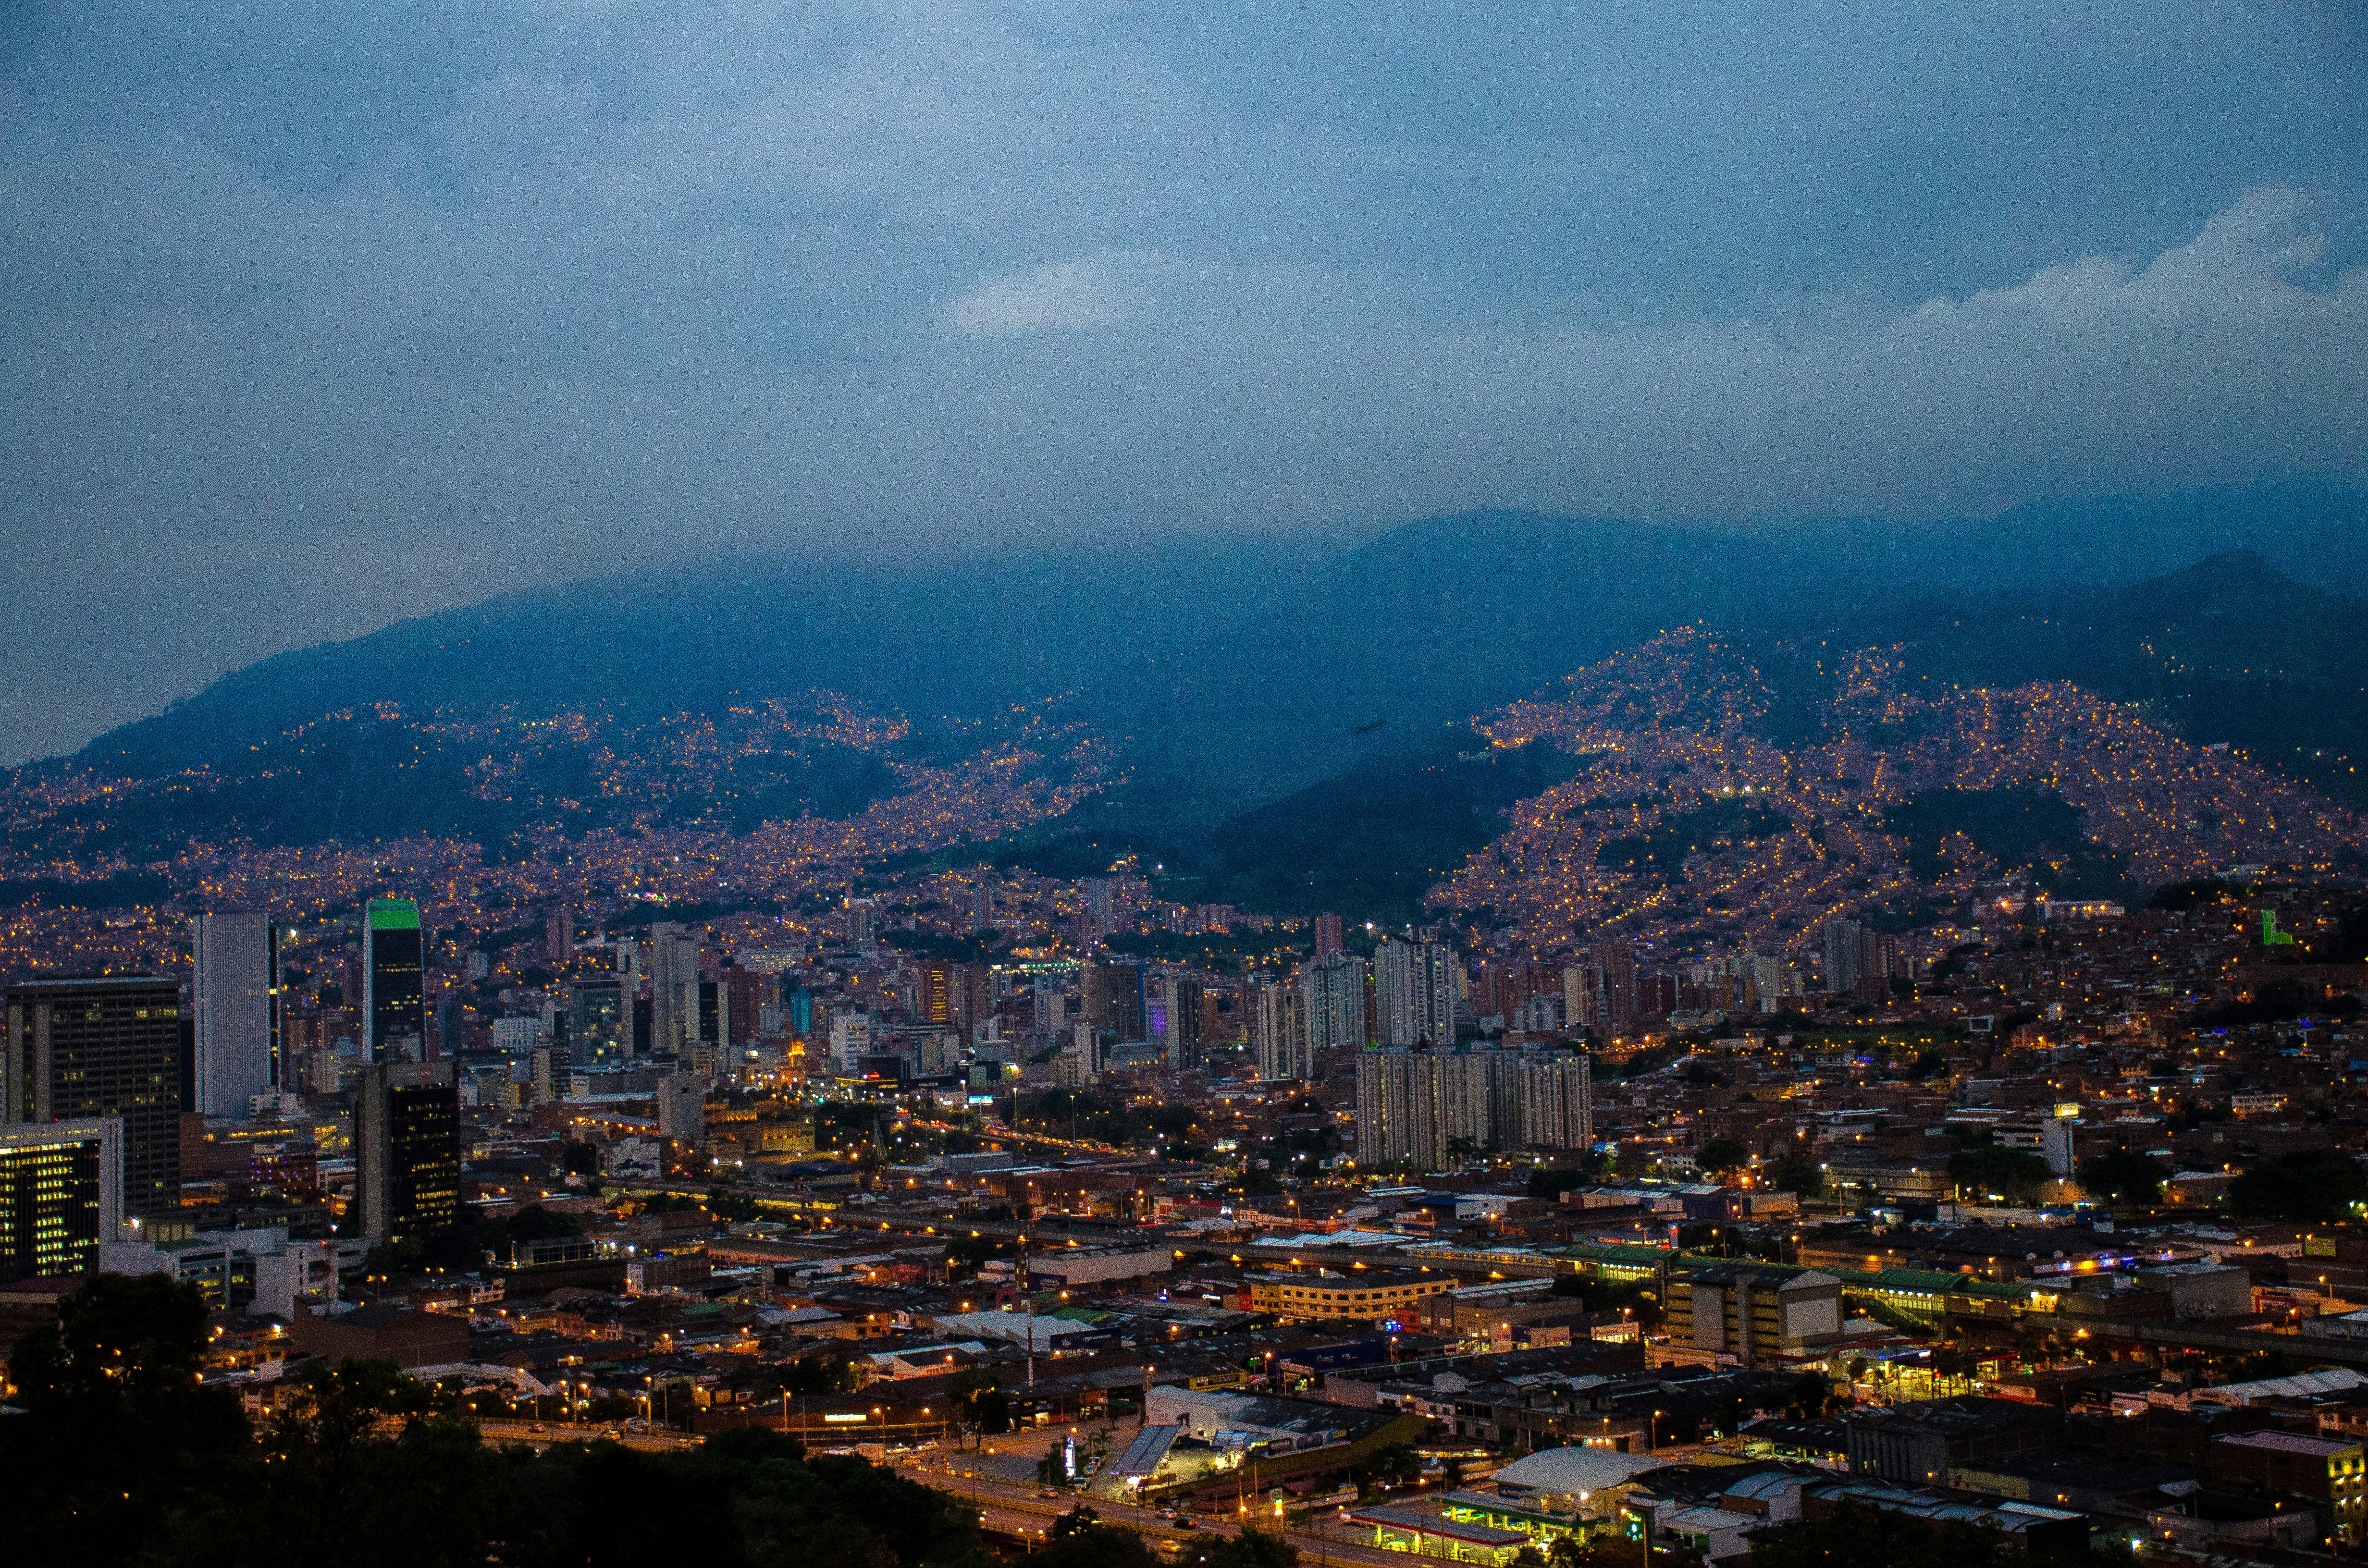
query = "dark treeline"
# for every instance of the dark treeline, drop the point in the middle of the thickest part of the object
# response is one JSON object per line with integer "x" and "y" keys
{"x": 120, "y": 1457}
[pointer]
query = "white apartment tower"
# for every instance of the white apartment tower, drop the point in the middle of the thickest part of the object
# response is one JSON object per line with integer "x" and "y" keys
{"x": 1333, "y": 988}
{"x": 1281, "y": 1034}
{"x": 1414, "y": 984}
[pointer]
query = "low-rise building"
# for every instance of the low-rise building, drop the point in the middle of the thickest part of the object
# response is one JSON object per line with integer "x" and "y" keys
{"x": 1373, "y": 1296}
{"x": 2330, "y": 1471}
{"x": 1755, "y": 1315}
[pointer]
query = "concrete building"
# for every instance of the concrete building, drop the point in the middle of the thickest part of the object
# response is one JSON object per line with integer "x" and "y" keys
{"x": 1756, "y": 1316}
{"x": 1421, "y": 1107}
{"x": 1414, "y": 984}
{"x": 673, "y": 989}
{"x": 1920, "y": 1444}
{"x": 2330, "y": 1471}
{"x": 1177, "y": 1023}
{"x": 1556, "y": 1102}
{"x": 1335, "y": 988}
{"x": 1280, "y": 1037}
{"x": 235, "y": 997}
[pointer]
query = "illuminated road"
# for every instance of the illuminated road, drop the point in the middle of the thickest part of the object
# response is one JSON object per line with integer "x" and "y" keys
{"x": 542, "y": 1434}
{"x": 1010, "y": 1508}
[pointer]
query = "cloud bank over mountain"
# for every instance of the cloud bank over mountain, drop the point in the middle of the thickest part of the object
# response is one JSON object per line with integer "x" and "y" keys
{"x": 319, "y": 319}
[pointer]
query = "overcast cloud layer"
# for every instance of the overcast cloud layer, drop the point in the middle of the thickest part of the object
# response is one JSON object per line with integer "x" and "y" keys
{"x": 316, "y": 320}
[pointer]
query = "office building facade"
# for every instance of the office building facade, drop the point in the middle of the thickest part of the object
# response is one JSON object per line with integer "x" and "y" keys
{"x": 83, "y": 1050}
{"x": 1111, "y": 998}
{"x": 61, "y": 1195}
{"x": 394, "y": 996}
{"x": 407, "y": 1150}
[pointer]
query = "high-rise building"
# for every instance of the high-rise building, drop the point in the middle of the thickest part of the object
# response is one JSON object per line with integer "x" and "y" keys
{"x": 1327, "y": 937}
{"x": 707, "y": 1051}
{"x": 1281, "y": 1039}
{"x": 61, "y": 1195}
{"x": 801, "y": 1005}
{"x": 1099, "y": 911}
{"x": 751, "y": 992}
{"x": 394, "y": 996}
{"x": 407, "y": 1150}
{"x": 1421, "y": 1107}
{"x": 935, "y": 1004}
{"x": 1415, "y": 985}
{"x": 674, "y": 994}
{"x": 1617, "y": 963}
{"x": 982, "y": 906}
{"x": 80, "y": 1050}
{"x": 1110, "y": 996}
{"x": 1427, "y": 1107}
{"x": 1767, "y": 982}
{"x": 1179, "y": 1023}
{"x": 1555, "y": 1103}
{"x": 235, "y": 997}
{"x": 862, "y": 918}
{"x": 851, "y": 1041}
{"x": 974, "y": 996}
{"x": 599, "y": 1022}
{"x": 558, "y": 936}
{"x": 452, "y": 1030}
{"x": 1334, "y": 990}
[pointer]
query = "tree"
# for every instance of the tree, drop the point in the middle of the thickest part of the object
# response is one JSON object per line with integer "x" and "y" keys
{"x": 118, "y": 1341}
{"x": 1812, "y": 1392}
{"x": 1093, "y": 1546}
{"x": 1722, "y": 1155}
{"x": 1077, "y": 1518}
{"x": 1385, "y": 1466}
{"x": 1251, "y": 1549}
{"x": 2124, "y": 1177}
{"x": 119, "y": 1455}
{"x": 1606, "y": 1549}
{"x": 117, "y": 1439}
{"x": 2309, "y": 1186}
{"x": 1800, "y": 1174}
{"x": 1990, "y": 1170}
{"x": 979, "y": 1402}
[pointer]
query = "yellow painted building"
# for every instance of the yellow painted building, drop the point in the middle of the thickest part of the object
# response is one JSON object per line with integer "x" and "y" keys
{"x": 1373, "y": 1296}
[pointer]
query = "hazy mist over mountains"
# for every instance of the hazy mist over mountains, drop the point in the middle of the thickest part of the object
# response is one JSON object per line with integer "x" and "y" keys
{"x": 1230, "y": 673}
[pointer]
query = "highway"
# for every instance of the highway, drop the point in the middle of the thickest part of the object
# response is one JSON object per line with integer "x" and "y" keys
{"x": 542, "y": 1434}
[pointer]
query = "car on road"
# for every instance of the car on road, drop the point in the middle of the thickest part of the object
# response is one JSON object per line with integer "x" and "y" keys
{"x": 535, "y": 1430}
{"x": 1047, "y": 1492}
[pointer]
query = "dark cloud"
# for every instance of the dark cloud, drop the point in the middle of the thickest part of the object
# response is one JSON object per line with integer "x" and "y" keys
{"x": 316, "y": 318}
